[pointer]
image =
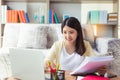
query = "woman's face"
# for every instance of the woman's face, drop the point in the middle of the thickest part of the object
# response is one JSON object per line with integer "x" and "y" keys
{"x": 69, "y": 34}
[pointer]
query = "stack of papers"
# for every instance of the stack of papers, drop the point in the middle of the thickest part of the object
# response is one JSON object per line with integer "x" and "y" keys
{"x": 90, "y": 64}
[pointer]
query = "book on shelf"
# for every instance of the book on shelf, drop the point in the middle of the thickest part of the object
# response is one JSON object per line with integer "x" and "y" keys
{"x": 98, "y": 17}
{"x": 50, "y": 16}
{"x": 27, "y": 18}
{"x": 103, "y": 17}
{"x": 15, "y": 16}
{"x": 12, "y": 16}
{"x": 9, "y": 16}
{"x": 90, "y": 64}
{"x": 112, "y": 19}
{"x": 94, "y": 17}
{"x": 53, "y": 18}
{"x": 65, "y": 16}
{"x": 112, "y": 16}
{"x": 56, "y": 18}
{"x": 21, "y": 14}
{"x": 112, "y": 22}
{"x": 4, "y": 9}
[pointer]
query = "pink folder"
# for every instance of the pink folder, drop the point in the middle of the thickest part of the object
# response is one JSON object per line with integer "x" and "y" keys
{"x": 91, "y": 77}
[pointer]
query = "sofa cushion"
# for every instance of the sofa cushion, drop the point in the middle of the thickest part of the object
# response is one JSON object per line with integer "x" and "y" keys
{"x": 54, "y": 34}
{"x": 102, "y": 44}
{"x": 32, "y": 36}
{"x": 11, "y": 34}
{"x": 114, "y": 49}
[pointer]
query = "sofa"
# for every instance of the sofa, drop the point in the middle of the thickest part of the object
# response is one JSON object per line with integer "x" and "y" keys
{"x": 40, "y": 36}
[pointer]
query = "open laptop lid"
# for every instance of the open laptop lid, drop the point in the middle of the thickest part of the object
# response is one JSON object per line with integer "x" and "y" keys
{"x": 27, "y": 64}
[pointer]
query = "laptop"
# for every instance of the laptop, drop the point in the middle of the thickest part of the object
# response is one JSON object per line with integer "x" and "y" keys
{"x": 27, "y": 64}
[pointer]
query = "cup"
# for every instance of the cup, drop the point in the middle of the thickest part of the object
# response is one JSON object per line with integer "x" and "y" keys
{"x": 61, "y": 75}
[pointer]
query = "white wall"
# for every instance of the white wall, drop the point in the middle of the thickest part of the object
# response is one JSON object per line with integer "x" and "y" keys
{"x": 17, "y": 5}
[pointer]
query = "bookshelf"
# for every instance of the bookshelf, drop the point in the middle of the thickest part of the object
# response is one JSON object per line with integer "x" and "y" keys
{"x": 77, "y": 8}
{"x": 81, "y": 8}
{"x": 1, "y": 2}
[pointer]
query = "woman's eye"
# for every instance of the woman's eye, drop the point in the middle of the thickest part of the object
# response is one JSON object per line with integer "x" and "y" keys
{"x": 71, "y": 32}
{"x": 64, "y": 32}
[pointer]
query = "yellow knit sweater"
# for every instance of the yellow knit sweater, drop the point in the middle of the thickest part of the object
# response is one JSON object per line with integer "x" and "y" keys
{"x": 55, "y": 51}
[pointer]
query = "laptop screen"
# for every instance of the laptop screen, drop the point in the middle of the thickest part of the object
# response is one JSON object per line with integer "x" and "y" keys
{"x": 27, "y": 64}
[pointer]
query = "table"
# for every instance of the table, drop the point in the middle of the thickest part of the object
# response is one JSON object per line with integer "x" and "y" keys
{"x": 69, "y": 77}
{"x": 116, "y": 78}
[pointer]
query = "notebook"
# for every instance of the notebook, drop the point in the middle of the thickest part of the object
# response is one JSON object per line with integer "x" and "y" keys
{"x": 27, "y": 64}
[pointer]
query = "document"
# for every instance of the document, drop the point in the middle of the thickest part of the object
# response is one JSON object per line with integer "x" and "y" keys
{"x": 80, "y": 77}
{"x": 90, "y": 64}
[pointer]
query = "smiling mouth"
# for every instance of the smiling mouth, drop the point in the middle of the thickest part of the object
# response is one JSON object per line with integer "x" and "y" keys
{"x": 69, "y": 39}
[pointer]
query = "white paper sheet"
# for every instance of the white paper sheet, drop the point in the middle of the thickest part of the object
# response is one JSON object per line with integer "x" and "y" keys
{"x": 90, "y": 64}
{"x": 80, "y": 77}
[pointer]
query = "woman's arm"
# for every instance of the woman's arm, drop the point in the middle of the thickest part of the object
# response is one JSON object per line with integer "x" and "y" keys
{"x": 51, "y": 55}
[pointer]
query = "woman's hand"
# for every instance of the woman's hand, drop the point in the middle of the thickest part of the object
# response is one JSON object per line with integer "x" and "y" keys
{"x": 68, "y": 76}
{"x": 101, "y": 70}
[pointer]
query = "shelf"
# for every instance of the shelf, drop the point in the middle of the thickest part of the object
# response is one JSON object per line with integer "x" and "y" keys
{"x": 25, "y": 0}
{"x": 83, "y": 1}
{"x": 108, "y": 24}
{"x": 67, "y": 1}
{"x": 96, "y": 1}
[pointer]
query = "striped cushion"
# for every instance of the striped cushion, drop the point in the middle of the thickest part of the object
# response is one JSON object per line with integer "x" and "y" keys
{"x": 114, "y": 49}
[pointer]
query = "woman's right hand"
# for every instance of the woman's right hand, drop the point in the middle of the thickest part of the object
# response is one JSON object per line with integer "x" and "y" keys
{"x": 101, "y": 70}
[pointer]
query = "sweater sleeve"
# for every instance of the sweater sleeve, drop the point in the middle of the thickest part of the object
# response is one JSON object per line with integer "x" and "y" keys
{"x": 51, "y": 55}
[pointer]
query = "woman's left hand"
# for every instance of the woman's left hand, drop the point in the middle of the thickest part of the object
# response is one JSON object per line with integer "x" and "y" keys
{"x": 101, "y": 70}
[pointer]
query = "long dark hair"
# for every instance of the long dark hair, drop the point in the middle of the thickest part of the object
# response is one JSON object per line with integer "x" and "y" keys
{"x": 73, "y": 22}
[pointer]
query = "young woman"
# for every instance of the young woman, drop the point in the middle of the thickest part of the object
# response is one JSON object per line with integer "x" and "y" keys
{"x": 72, "y": 50}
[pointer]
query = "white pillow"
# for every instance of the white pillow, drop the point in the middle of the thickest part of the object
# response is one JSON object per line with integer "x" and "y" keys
{"x": 32, "y": 36}
{"x": 11, "y": 34}
{"x": 102, "y": 44}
